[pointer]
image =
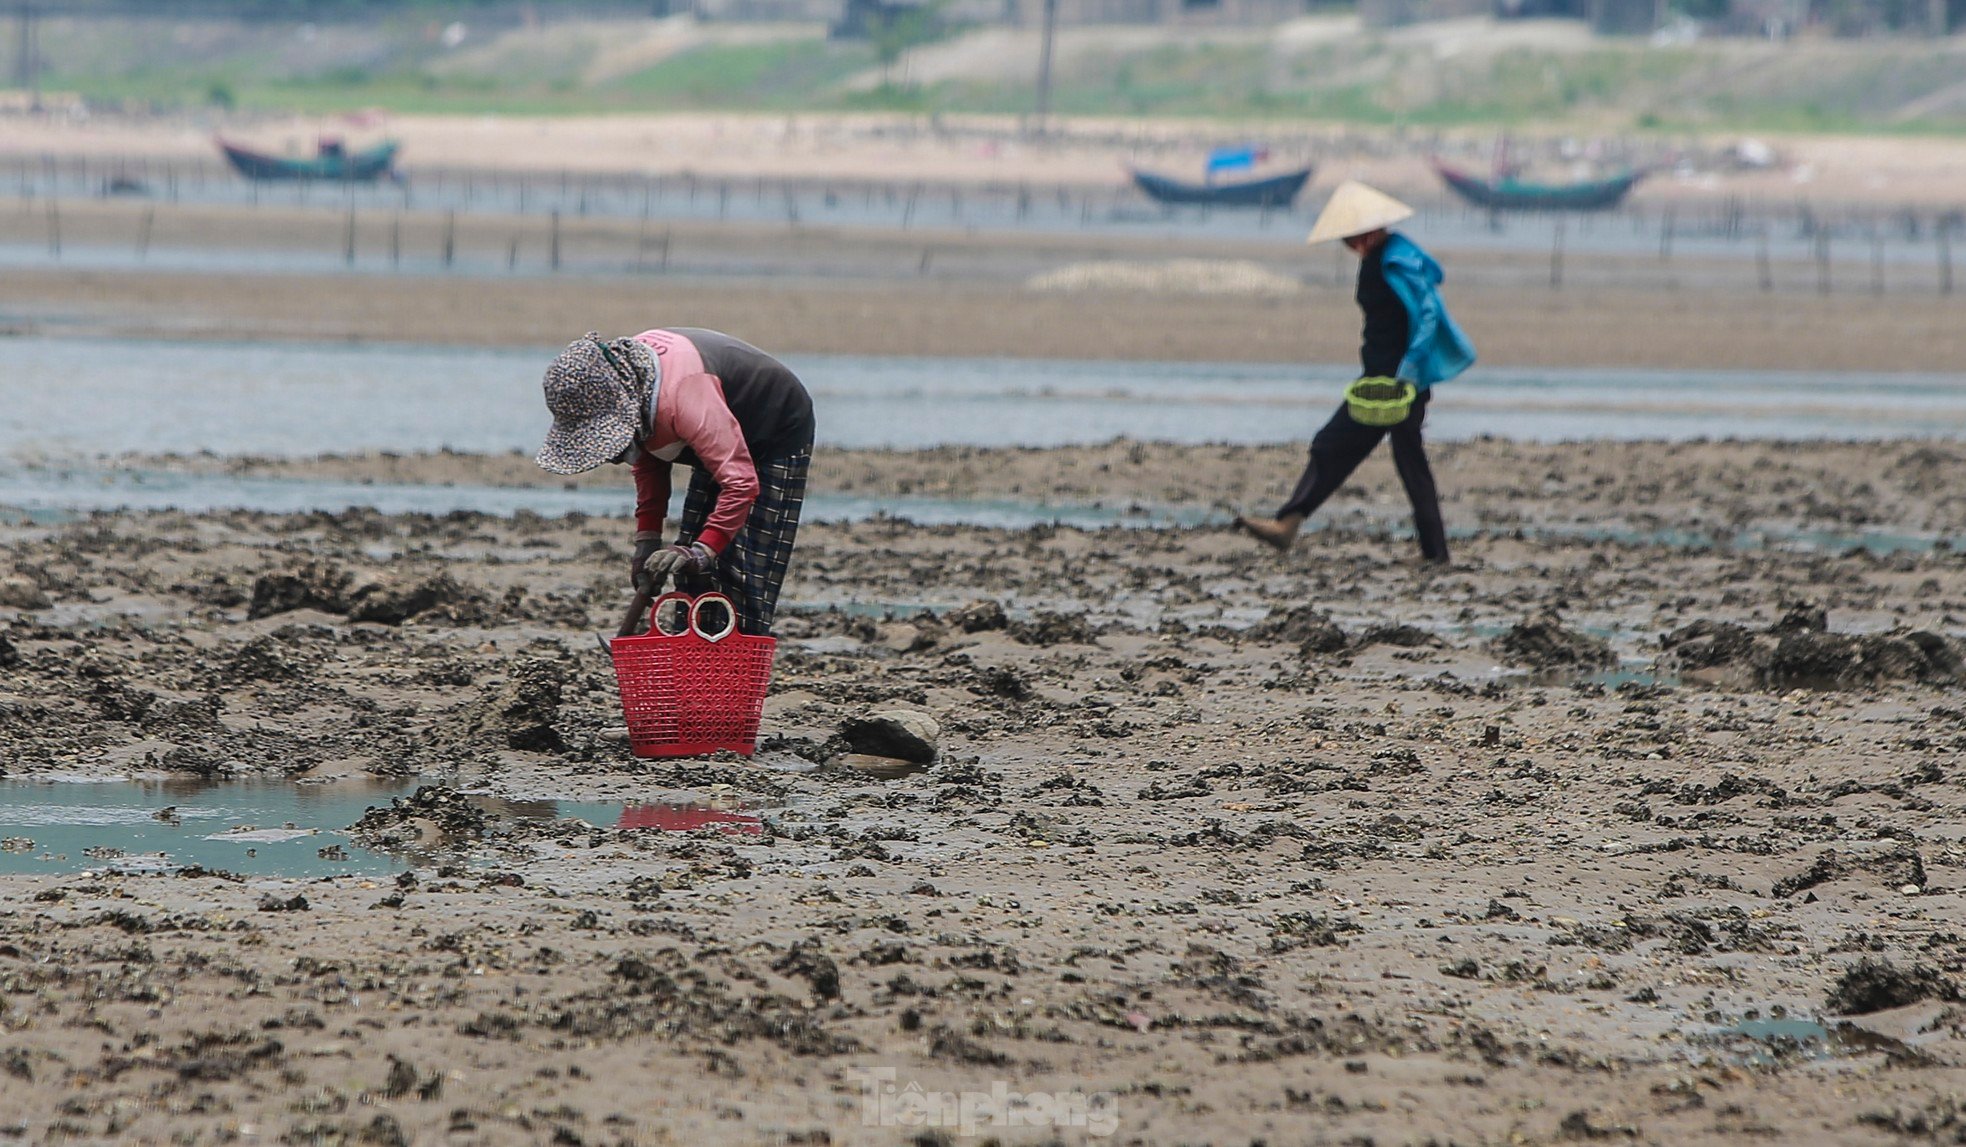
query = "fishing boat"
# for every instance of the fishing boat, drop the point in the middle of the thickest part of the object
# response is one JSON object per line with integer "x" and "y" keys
{"x": 332, "y": 162}
{"x": 1269, "y": 191}
{"x": 1510, "y": 193}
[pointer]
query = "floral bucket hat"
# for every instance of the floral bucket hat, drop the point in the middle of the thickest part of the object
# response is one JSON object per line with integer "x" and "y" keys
{"x": 597, "y": 393}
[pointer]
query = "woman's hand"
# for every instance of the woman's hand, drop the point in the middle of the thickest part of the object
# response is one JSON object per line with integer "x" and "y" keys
{"x": 674, "y": 561}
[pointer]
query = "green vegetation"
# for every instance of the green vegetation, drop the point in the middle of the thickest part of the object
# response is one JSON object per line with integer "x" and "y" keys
{"x": 782, "y": 75}
{"x": 1595, "y": 85}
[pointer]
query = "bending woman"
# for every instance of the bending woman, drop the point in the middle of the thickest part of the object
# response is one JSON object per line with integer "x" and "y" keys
{"x": 739, "y": 418}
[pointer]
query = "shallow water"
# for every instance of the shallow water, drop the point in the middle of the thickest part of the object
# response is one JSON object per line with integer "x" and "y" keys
{"x": 67, "y": 398}
{"x": 54, "y": 494}
{"x": 261, "y": 827}
{"x": 1770, "y": 1042}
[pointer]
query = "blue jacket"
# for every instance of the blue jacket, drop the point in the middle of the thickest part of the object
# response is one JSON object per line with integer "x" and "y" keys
{"x": 1436, "y": 349}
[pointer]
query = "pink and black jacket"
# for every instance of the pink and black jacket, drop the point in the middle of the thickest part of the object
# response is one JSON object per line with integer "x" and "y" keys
{"x": 723, "y": 407}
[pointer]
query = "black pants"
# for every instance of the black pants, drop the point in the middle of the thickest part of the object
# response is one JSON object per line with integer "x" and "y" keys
{"x": 1343, "y": 444}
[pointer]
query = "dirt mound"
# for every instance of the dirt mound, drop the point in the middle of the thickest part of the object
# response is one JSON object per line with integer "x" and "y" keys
{"x": 1308, "y": 627}
{"x": 1402, "y": 635}
{"x": 431, "y": 817}
{"x": 316, "y": 585}
{"x": 1874, "y": 985}
{"x": 1836, "y": 660}
{"x": 1002, "y": 681}
{"x": 979, "y": 616}
{"x": 261, "y": 659}
{"x": 393, "y": 601}
{"x": 1799, "y": 652}
{"x": 1709, "y": 645}
{"x": 18, "y": 591}
{"x": 1544, "y": 642}
{"x": 1894, "y": 869}
{"x": 378, "y": 598}
{"x": 1048, "y": 628}
{"x": 521, "y": 714}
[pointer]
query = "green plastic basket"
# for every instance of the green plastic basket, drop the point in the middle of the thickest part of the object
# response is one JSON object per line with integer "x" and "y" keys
{"x": 1379, "y": 401}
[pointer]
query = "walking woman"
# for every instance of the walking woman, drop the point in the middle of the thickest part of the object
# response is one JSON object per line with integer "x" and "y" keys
{"x": 739, "y": 418}
{"x": 1409, "y": 337}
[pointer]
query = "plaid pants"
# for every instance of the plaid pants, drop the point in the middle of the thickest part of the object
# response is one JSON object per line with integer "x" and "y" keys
{"x": 752, "y": 567}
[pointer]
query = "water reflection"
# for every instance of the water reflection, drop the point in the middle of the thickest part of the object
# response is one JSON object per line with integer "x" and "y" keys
{"x": 275, "y": 827}
{"x": 688, "y": 817}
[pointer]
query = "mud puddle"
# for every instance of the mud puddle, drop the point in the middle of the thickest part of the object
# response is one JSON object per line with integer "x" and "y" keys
{"x": 272, "y": 828}
{"x": 1780, "y": 1040}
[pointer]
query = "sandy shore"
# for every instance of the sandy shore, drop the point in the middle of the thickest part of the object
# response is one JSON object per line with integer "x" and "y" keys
{"x": 1827, "y": 170}
{"x": 1324, "y": 846}
{"x": 1687, "y": 330}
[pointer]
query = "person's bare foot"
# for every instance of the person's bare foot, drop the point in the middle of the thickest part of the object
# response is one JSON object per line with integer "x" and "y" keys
{"x": 1276, "y": 533}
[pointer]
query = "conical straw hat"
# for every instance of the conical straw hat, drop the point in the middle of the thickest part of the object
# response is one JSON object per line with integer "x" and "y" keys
{"x": 1355, "y": 209}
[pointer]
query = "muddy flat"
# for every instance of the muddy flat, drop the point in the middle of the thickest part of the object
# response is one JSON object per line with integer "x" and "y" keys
{"x": 1597, "y": 833}
{"x": 274, "y": 273}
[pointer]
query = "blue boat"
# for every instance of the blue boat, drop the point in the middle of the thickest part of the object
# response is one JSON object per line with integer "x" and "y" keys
{"x": 332, "y": 163}
{"x": 1270, "y": 191}
{"x": 1511, "y": 194}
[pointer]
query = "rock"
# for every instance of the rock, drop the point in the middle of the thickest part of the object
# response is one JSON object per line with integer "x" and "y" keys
{"x": 522, "y": 713}
{"x": 1544, "y": 642}
{"x": 9, "y": 656}
{"x": 898, "y": 733}
{"x": 978, "y": 616}
{"x": 20, "y": 592}
{"x": 879, "y": 768}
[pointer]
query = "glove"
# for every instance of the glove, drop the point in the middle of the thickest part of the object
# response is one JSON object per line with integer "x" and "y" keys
{"x": 638, "y": 576}
{"x": 678, "y": 561}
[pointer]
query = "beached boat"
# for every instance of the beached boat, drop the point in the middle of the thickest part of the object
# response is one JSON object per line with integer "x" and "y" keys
{"x": 1511, "y": 194}
{"x": 331, "y": 162}
{"x": 1269, "y": 191}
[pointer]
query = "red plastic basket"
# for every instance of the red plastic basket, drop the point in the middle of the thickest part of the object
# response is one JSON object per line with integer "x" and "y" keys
{"x": 691, "y": 692}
